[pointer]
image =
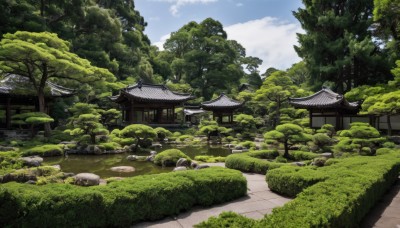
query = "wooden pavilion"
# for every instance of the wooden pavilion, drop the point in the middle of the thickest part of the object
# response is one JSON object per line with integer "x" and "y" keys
{"x": 222, "y": 108}
{"x": 328, "y": 107}
{"x": 150, "y": 104}
{"x": 18, "y": 96}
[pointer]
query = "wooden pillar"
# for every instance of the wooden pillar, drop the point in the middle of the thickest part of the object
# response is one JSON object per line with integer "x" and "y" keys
{"x": 8, "y": 113}
{"x": 338, "y": 125}
{"x": 310, "y": 118}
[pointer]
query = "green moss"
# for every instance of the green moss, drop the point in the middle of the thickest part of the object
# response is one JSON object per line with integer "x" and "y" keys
{"x": 169, "y": 157}
{"x": 209, "y": 159}
{"x": 44, "y": 151}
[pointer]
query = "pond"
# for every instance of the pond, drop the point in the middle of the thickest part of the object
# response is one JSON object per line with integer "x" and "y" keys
{"x": 101, "y": 164}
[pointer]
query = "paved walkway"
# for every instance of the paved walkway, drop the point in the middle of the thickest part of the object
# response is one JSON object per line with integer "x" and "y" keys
{"x": 258, "y": 202}
{"x": 386, "y": 214}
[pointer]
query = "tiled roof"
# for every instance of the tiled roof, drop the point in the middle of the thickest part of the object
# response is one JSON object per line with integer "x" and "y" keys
{"x": 324, "y": 98}
{"x": 151, "y": 93}
{"x": 18, "y": 85}
{"x": 221, "y": 102}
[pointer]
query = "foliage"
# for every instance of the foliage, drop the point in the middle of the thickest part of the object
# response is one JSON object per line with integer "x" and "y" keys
{"x": 332, "y": 196}
{"x": 209, "y": 159}
{"x": 321, "y": 142}
{"x": 120, "y": 203}
{"x": 253, "y": 162}
{"x": 302, "y": 155}
{"x": 287, "y": 134}
{"x": 140, "y": 132}
{"x": 211, "y": 128}
{"x": 248, "y": 144}
{"x": 361, "y": 138}
{"x": 44, "y": 151}
{"x": 327, "y": 129}
{"x": 32, "y": 119}
{"x": 227, "y": 219}
{"x": 169, "y": 157}
{"x": 162, "y": 133}
{"x": 338, "y": 48}
{"x": 245, "y": 124}
{"x": 87, "y": 124}
{"x": 42, "y": 58}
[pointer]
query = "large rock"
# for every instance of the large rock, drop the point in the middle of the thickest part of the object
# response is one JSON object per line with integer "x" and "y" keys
{"x": 236, "y": 151}
{"x": 123, "y": 169}
{"x": 7, "y": 148}
{"x": 32, "y": 161}
{"x": 193, "y": 165}
{"x": 182, "y": 162}
{"x": 150, "y": 158}
{"x": 93, "y": 149}
{"x": 299, "y": 163}
{"x": 87, "y": 179}
{"x": 132, "y": 157}
{"x": 238, "y": 147}
{"x": 180, "y": 168}
{"x": 156, "y": 145}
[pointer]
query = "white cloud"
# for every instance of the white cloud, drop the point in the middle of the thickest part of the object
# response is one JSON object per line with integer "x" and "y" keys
{"x": 161, "y": 42}
{"x": 268, "y": 39}
{"x": 177, "y": 4}
{"x": 239, "y": 4}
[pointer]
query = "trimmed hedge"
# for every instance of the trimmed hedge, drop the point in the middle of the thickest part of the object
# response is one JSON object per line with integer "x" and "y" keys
{"x": 350, "y": 189}
{"x": 120, "y": 203}
{"x": 252, "y": 161}
{"x": 44, "y": 151}
{"x": 302, "y": 155}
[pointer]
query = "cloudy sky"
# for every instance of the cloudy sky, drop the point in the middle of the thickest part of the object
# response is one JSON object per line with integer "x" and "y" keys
{"x": 266, "y": 28}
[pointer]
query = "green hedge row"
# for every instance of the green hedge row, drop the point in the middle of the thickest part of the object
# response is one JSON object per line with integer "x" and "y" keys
{"x": 291, "y": 180}
{"x": 253, "y": 161}
{"x": 342, "y": 198}
{"x": 302, "y": 155}
{"x": 120, "y": 203}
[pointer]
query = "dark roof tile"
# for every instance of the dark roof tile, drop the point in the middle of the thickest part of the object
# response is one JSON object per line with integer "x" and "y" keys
{"x": 222, "y": 101}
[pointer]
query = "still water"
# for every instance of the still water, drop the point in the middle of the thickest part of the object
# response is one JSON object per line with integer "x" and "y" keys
{"x": 101, "y": 164}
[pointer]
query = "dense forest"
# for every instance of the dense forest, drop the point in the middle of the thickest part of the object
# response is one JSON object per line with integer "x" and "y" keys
{"x": 348, "y": 45}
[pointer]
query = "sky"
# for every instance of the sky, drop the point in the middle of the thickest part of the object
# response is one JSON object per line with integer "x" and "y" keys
{"x": 266, "y": 28}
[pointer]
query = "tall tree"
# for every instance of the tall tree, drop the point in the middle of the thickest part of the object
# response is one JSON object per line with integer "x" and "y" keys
{"x": 43, "y": 57}
{"x": 337, "y": 46}
{"x": 204, "y": 58}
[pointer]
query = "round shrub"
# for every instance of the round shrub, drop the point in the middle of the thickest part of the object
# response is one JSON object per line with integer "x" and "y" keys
{"x": 281, "y": 159}
{"x": 319, "y": 161}
{"x": 169, "y": 157}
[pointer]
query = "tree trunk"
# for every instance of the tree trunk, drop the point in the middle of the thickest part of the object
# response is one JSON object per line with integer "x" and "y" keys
{"x": 286, "y": 154}
{"x": 389, "y": 131}
{"x": 42, "y": 108}
{"x": 93, "y": 138}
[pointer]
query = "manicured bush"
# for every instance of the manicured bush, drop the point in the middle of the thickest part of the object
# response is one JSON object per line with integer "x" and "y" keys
{"x": 254, "y": 161}
{"x": 169, "y": 157}
{"x": 110, "y": 146}
{"x": 44, "y": 151}
{"x": 342, "y": 193}
{"x": 301, "y": 155}
{"x": 209, "y": 159}
{"x": 120, "y": 203}
{"x": 248, "y": 144}
{"x": 227, "y": 219}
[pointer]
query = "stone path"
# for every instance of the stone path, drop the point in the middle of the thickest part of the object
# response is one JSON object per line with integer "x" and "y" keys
{"x": 386, "y": 214}
{"x": 258, "y": 202}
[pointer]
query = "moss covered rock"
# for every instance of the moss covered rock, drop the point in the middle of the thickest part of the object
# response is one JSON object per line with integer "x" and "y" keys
{"x": 169, "y": 157}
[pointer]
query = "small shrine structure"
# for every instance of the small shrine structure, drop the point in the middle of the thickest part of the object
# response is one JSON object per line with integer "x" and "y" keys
{"x": 223, "y": 108}
{"x": 328, "y": 107}
{"x": 150, "y": 104}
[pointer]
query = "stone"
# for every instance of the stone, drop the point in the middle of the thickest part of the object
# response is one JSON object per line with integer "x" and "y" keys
{"x": 238, "y": 147}
{"x": 69, "y": 174}
{"x": 30, "y": 182}
{"x": 102, "y": 182}
{"x": 153, "y": 152}
{"x": 326, "y": 155}
{"x": 180, "y": 168}
{"x": 202, "y": 166}
{"x": 68, "y": 142}
{"x": 132, "y": 157}
{"x": 156, "y": 145}
{"x": 7, "y": 148}
{"x": 93, "y": 149}
{"x": 182, "y": 162}
{"x": 245, "y": 150}
{"x": 150, "y": 158}
{"x": 57, "y": 167}
{"x": 87, "y": 179}
{"x": 123, "y": 169}
{"x": 236, "y": 151}
{"x": 32, "y": 161}
{"x": 299, "y": 163}
{"x": 193, "y": 165}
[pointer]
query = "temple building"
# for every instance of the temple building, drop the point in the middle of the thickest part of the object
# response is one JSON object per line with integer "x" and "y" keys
{"x": 222, "y": 108}
{"x": 150, "y": 104}
{"x": 18, "y": 96}
{"x": 328, "y": 107}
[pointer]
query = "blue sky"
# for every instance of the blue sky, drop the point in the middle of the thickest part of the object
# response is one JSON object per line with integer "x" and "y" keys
{"x": 266, "y": 28}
